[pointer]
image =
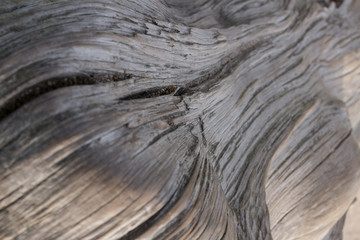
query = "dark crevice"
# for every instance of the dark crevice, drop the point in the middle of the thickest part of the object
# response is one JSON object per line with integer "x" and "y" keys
{"x": 224, "y": 68}
{"x": 48, "y": 85}
{"x": 204, "y": 83}
{"x": 201, "y": 124}
{"x": 150, "y": 93}
{"x": 327, "y": 3}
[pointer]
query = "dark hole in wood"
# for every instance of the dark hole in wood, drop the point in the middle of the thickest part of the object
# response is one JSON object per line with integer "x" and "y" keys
{"x": 48, "y": 85}
{"x": 154, "y": 92}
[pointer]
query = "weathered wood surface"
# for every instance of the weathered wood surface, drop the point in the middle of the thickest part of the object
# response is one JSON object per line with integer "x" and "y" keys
{"x": 178, "y": 119}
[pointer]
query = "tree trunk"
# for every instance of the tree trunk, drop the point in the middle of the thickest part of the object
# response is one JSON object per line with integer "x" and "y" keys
{"x": 175, "y": 119}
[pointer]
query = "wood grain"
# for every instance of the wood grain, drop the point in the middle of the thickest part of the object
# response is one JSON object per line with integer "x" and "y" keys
{"x": 178, "y": 119}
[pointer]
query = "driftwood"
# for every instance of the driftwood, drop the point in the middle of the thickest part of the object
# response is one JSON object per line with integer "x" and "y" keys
{"x": 164, "y": 119}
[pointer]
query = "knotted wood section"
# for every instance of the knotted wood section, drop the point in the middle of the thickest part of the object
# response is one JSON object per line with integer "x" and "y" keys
{"x": 178, "y": 119}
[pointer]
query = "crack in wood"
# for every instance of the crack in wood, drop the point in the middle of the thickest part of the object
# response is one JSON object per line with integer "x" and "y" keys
{"x": 327, "y": 3}
{"x": 151, "y": 93}
{"x": 52, "y": 84}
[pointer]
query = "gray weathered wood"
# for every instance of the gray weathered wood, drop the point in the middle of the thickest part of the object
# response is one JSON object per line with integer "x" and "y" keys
{"x": 178, "y": 119}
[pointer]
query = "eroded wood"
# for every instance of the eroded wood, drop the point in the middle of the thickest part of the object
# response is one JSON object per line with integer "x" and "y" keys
{"x": 177, "y": 119}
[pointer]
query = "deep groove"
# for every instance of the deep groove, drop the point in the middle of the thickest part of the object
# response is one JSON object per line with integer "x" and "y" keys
{"x": 48, "y": 85}
{"x": 225, "y": 67}
{"x": 150, "y": 93}
{"x": 204, "y": 82}
{"x": 327, "y": 3}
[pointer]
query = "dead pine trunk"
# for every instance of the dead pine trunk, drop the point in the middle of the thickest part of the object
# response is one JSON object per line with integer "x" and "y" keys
{"x": 170, "y": 119}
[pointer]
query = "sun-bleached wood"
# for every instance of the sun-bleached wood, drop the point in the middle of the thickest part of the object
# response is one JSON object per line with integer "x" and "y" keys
{"x": 169, "y": 119}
